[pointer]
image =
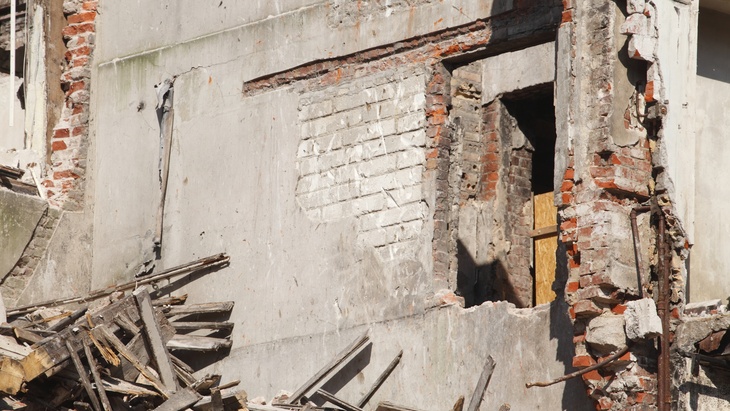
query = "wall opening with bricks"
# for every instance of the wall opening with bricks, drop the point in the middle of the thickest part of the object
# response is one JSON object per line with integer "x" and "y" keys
{"x": 500, "y": 155}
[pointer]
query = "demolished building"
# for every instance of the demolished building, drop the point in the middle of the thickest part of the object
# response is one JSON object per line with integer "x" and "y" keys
{"x": 536, "y": 181}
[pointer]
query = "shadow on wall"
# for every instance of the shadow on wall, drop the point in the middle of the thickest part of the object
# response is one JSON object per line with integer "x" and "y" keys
{"x": 486, "y": 282}
{"x": 713, "y": 47}
{"x": 561, "y": 330}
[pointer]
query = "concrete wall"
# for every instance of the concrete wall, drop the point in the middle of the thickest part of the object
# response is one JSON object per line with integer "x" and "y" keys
{"x": 709, "y": 265}
{"x": 316, "y": 190}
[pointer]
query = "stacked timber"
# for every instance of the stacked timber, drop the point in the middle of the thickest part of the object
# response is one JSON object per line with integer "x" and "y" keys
{"x": 121, "y": 352}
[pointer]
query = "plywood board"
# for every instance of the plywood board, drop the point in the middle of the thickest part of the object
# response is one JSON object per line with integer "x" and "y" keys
{"x": 546, "y": 215}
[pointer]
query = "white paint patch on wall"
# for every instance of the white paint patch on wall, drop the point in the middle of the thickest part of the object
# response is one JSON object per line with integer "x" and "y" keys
{"x": 361, "y": 156}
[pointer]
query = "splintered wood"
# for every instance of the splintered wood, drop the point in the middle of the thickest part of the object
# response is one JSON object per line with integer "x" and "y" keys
{"x": 121, "y": 356}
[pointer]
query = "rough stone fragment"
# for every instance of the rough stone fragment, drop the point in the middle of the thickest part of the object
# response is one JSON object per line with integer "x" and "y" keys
{"x": 703, "y": 308}
{"x": 635, "y": 6}
{"x": 605, "y": 334}
{"x": 712, "y": 342}
{"x": 635, "y": 24}
{"x": 641, "y": 47}
{"x": 642, "y": 320}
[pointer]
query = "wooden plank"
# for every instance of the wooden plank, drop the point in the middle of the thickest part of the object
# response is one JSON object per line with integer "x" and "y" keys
{"x": 26, "y": 336}
{"x": 476, "y": 397}
{"x": 158, "y": 302}
{"x": 18, "y": 186}
{"x": 10, "y": 348}
{"x": 119, "y": 386}
{"x": 312, "y": 383}
{"x": 201, "y": 325}
{"x": 137, "y": 346}
{"x": 12, "y": 375}
{"x": 378, "y": 382}
{"x": 154, "y": 339}
{"x": 52, "y": 352}
{"x": 181, "y": 400}
{"x": 84, "y": 376}
{"x": 389, "y": 406}
{"x": 545, "y": 248}
{"x": 180, "y": 363}
{"x": 126, "y": 324}
{"x": 205, "y": 383}
{"x": 187, "y": 378}
{"x": 336, "y": 401}
{"x": 229, "y": 396}
{"x": 197, "y": 343}
{"x": 68, "y": 320}
{"x": 205, "y": 308}
{"x": 11, "y": 172}
{"x": 97, "y": 378}
{"x": 102, "y": 332}
{"x": 216, "y": 400}
{"x": 539, "y": 232}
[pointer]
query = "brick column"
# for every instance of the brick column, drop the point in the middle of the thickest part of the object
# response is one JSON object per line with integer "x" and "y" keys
{"x": 64, "y": 181}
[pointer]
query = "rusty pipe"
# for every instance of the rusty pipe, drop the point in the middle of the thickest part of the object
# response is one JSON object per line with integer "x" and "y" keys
{"x": 664, "y": 394}
{"x": 637, "y": 252}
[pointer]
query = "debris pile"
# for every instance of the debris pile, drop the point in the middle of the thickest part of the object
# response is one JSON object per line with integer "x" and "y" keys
{"x": 123, "y": 349}
{"x": 119, "y": 353}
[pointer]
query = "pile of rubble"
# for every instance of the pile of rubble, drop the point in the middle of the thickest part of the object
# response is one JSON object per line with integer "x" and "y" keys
{"x": 121, "y": 349}
{"x": 117, "y": 352}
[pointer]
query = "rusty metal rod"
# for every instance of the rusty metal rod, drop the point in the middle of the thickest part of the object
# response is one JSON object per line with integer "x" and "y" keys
{"x": 637, "y": 251}
{"x": 578, "y": 373}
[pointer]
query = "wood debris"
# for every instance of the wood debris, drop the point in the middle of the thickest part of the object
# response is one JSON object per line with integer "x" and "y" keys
{"x": 121, "y": 354}
{"x": 118, "y": 349}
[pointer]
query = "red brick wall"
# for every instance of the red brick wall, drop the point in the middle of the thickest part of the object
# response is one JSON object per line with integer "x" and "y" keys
{"x": 64, "y": 181}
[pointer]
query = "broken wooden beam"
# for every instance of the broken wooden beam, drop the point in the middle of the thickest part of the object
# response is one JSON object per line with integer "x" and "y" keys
{"x": 120, "y": 386}
{"x": 337, "y": 401}
{"x": 380, "y": 380}
{"x": 389, "y": 406}
{"x": 154, "y": 338}
{"x": 158, "y": 302}
{"x": 312, "y": 383}
{"x": 11, "y": 172}
{"x": 228, "y": 396}
{"x": 97, "y": 378}
{"x": 180, "y": 400}
{"x": 476, "y": 397}
{"x": 102, "y": 332}
{"x": 197, "y": 343}
{"x": 85, "y": 382}
{"x": 201, "y": 325}
{"x": 204, "y": 308}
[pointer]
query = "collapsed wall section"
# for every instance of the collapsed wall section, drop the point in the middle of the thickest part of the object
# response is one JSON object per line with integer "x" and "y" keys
{"x": 609, "y": 178}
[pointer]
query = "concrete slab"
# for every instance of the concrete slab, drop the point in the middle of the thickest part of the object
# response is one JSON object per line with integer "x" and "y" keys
{"x": 19, "y": 216}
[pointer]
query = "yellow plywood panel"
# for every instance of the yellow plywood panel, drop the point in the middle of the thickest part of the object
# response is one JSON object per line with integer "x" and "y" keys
{"x": 546, "y": 215}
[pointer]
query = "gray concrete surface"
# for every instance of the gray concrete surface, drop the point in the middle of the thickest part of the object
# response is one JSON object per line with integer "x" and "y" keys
{"x": 518, "y": 70}
{"x": 19, "y": 216}
{"x": 64, "y": 269}
{"x": 709, "y": 262}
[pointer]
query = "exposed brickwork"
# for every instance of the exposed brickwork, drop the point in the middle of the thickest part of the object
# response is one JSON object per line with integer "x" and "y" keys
{"x": 525, "y": 24}
{"x": 15, "y": 282}
{"x": 437, "y": 169}
{"x": 492, "y": 157}
{"x": 64, "y": 181}
{"x": 519, "y": 223}
{"x": 596, "y": 199}
{"x": 624, "y": 171}
{"x": 362, "y": 154}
